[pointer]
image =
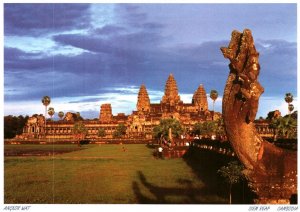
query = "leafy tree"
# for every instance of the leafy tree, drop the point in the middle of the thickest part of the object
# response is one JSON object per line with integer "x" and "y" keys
{"x": 197, "y": 129}
{"x": 274, "y": 124}
{"x": 101, "y": 132}
{"x": 162, "y": 130}
{"x": 220, "y": 130}
{"x": 79, "y": 131}
{"x": 232, "y": 174}
{"x": 13, "y": 125}
{"x": 120, "y": 131}
{"x": 207, "y": 128}
{"x": 284, "y": 126}
{"x": 294, "y": 115}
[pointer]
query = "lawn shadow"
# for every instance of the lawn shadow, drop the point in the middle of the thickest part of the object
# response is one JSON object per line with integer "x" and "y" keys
{"x": 184, "y": 193}
{"x": 205, "y": 164}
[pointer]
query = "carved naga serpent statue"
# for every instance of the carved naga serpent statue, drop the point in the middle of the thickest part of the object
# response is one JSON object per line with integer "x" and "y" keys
{"x": 270, "y": 170}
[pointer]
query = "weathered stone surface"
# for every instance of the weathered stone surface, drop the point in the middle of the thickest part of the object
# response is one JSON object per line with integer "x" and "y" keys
{"x": 200, "y": 99}
{"x": 271, "y": 171}
{"x": 69, "y": 116}
{"x": 143, "y": 103}
{"x": 39, "y": 120}
{"x": 105, "y": 113}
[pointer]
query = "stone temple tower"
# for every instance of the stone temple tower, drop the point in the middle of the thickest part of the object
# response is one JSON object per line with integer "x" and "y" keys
{"x": 143, "y": 102}
{"x": 200, "y": 99}
{"x": 171, "y": 92}
{"x": 105, "y": 113}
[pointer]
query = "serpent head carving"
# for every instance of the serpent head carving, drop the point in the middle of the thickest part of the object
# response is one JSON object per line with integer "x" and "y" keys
{"x": 244, "y": 64}
{"x": 271, "y": 171}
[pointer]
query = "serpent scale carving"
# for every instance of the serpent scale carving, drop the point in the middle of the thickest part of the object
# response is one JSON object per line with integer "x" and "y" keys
{"x": 270, "y": 170}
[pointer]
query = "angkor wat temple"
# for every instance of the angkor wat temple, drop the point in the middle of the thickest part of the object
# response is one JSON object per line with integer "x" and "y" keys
{"x": 139, "y": 124}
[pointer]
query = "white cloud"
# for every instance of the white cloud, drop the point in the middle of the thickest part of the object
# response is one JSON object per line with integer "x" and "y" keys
{"x": 102, "y": 14}
{"x": 23, "y": 108}
{"x": 43, "y": 46}
{"x": 28, "y": 44}
{"x": 267, "y": 104}
{"x": 186, "y": 98}
{"x": 128, "y": 89}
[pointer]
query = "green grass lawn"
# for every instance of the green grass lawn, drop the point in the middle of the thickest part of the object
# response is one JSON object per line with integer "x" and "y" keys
{"x": 38, "y": 150}
{"x": 103, "y": 174}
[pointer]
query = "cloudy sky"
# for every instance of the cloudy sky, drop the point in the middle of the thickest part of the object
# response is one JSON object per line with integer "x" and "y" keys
{"x": 84, "y": 55}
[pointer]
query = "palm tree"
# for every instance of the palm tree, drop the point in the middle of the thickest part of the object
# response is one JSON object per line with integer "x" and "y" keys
{"x": 61, "y": 114}
{"x": 291, "y": 108}
{"x": 288, "y": 99}
{"x": 213, "y": 95}
{"x": 46, "y": 101}
{"x": 51, "y": 111}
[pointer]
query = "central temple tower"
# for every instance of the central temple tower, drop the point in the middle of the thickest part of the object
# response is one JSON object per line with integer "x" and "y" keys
{"x": 171, "y": 92}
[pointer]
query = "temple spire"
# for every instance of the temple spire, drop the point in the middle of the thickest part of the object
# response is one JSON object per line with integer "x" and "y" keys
{"x": 200, "y": 98}
{"x": 171, "y": 91}
{"x": 143, "y": 102}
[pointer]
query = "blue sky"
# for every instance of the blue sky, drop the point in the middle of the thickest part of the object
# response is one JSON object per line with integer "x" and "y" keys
{"x": 84, "y": 55}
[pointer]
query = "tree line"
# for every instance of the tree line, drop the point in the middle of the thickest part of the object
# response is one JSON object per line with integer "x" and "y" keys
{"x": 284, "y": 127}
{"x": 13, "y": 125}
